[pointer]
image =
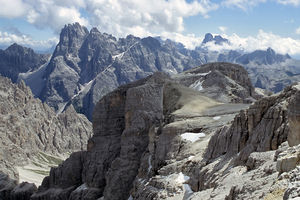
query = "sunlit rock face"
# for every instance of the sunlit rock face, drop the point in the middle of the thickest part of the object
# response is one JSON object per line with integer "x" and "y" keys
{"x": 294, "y": 119}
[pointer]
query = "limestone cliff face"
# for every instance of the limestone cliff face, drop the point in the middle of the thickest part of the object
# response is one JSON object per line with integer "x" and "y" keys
{"x": 28, "y": 126}
{"x": 252, "y": 153}
{"x": 123, "y": 121}
{"x": 137, "y": 139}
{"x": 263, "y": 127}
{"x": 294, "y": 119}
{"x": 158, "y": 139}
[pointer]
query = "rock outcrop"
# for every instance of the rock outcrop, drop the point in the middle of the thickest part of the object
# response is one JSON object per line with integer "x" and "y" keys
{"x": 31, "y": 132}
{"x": 225, "y": 82}
{"x": 294, "y": 119}
{"x": 144, "y": 133}
{"x": 250, "y": 154}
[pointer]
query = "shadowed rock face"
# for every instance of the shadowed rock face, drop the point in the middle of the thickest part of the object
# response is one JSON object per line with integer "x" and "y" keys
{"x": 123, "y": 121}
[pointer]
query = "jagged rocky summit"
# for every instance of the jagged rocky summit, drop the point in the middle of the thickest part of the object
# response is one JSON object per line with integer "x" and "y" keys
{"x": 86, "y": 65}
{"x": 33, "y": 138}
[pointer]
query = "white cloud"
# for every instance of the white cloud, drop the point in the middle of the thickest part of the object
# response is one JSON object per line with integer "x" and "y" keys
{"x": 289, "y": 2}
{"x": 119, "y": 17}
{"x": 298, "y": 31}
{"x": 190, "y": 41}
{"x": 53, "y": 14}
{"x": 223, "y": 29}
{"x": 143, "y": 16}
{"x": 7, "y": 39}
{"x": 12, "y": 8}
{"x": 261, "y": 41}
{"x": 242, "y": 4}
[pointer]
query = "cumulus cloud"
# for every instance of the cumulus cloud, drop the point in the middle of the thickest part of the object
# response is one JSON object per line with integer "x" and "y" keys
{"x": 144, "y": 16}
{"x": 190, "y": 41}
{"x": 53, "y": 14}
{"x": 289, "y": 2}
{"x": 7, "y": 39}
{"x": 12, "y": 8}
{"x": 242, "y": 4}
{"x": 261, "y": 41}
{"x": 119, "y": 17}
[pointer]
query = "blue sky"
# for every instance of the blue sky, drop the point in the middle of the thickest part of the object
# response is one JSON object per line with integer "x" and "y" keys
{"x": 249, "y": 25}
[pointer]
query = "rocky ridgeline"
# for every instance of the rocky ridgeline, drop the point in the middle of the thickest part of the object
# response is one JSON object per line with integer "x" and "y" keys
{"x": 86, "y": 65}
{"x": 29, "y": 127}
{"x": 158, "y": 139}
{"x": 225, "y": 82}
{"x": 17, "y": 59}
{"x": 139, "y": 134}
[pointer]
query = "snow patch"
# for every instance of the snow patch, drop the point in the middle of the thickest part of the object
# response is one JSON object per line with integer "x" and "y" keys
{"x": 191, "y": 157}
{"x": 197, "y": 85}
{"x": 118, "y": 56}
{"x": 3, "y": 93}
{"x": 192, "y": 136}
{"x": 149, "y": 164}
{"x": 34, "y": 79}
{"x": 297, "y": 86}
{"x": 82, "y": 187}
{"x": 130, "y": 198}
{"x": 204, "y": 74}
{"x": 182, "y": 178}
{"x": 217, "y": 118}
{"x": 187, "y": 191}
{"x": 86, "y": 87}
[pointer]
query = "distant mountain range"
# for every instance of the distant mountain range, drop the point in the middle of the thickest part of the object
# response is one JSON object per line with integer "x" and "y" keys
{"x": 86, "y": 65}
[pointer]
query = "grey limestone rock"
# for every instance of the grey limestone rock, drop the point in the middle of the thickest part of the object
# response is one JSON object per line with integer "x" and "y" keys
{"x": 30, "y": 128}
{"x": 136, "y": 142}
{"x": 23, "y": 191}
{"x": 294, "y": 119}
{"x": 225, "y": 82}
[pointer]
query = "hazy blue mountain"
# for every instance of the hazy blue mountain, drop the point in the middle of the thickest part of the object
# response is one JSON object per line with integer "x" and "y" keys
{"x": 217, "y": 39}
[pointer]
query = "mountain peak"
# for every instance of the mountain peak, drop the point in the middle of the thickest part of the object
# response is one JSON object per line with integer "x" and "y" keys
{"x": 17, "y": 48}
{"x": 94, "y": 30}
{"x": 270, "y": 51}
{"x": 71, "y": 38}
{"x": 216, "y": 39}
{"x": 73, "y": 30}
